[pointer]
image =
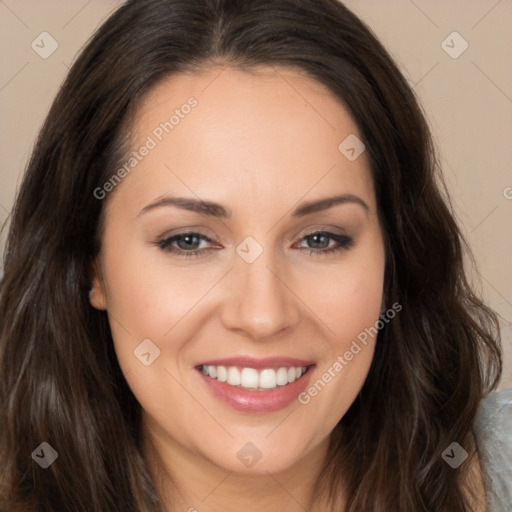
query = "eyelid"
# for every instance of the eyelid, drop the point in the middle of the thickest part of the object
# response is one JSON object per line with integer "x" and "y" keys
{"x": 197, "y": 230}
{"x": 166, "y": 239}
{"x": 343, "y": 241}
{"x": 323, "y": 228}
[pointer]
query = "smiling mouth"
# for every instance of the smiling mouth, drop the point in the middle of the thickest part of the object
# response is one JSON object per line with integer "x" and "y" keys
{"x": 252, "y": 379}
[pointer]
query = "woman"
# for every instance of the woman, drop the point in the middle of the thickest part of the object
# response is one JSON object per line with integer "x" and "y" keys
{"x": 233, "y": 279}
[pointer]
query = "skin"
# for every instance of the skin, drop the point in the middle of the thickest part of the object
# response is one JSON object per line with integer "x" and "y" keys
{"x": 259, "y": 144}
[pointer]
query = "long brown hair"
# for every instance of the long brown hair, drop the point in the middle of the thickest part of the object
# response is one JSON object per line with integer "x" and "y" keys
{"x": 60, "y": 381}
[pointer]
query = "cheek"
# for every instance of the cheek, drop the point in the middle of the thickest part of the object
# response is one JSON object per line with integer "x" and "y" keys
{"x": 146, "y": 300}
{"x": 147, "y": 295}
{"x": 348, "y": 296}
{"x": 349, "y": 303}
{"x": 355, "y": 305}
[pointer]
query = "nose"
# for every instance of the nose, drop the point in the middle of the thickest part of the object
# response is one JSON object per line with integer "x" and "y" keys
{"x": 261, "y": 304}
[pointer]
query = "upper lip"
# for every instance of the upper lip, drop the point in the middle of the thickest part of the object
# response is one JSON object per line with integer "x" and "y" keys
{"x": 258, "y": 364}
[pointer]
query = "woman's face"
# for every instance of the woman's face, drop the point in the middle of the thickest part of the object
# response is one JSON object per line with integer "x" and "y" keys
{"x": 278, "y": 280}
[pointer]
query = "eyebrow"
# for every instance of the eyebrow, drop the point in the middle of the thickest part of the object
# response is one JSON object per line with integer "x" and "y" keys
{"x": 212, "y": 209}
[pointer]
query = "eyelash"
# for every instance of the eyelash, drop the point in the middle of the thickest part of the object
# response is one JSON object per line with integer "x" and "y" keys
{"x": 345, "y": 242}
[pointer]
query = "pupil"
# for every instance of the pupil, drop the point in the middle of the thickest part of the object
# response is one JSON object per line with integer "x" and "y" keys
{"x": 187, "y": 240}
{"x": 316, "y": 237}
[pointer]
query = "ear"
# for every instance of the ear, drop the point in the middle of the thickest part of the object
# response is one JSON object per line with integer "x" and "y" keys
{"x": 97, "y": 296}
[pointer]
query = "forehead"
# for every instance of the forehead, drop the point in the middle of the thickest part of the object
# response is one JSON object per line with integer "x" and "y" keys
{"x": 272, "y": 133}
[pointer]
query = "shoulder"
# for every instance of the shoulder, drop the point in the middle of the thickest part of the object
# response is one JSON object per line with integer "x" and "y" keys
{"x": 493, "y": 435}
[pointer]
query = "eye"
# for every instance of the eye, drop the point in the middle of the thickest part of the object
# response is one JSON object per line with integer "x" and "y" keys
{"x": 185, "y": 242}
{"x": 187, "y": 245}
{"x": 321, "y": 238}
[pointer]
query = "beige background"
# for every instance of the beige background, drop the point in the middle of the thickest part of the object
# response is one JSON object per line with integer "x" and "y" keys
{"x": 468, "y": 101}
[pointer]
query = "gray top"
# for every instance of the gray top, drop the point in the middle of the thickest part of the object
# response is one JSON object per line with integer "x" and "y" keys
{"x": 493, "y": 431}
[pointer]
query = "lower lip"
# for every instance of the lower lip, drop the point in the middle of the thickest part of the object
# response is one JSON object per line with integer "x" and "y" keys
{"x": 254, "y": 400}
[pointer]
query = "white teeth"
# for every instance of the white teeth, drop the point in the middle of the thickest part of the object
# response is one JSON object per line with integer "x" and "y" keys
{"x": 282, "y": 376}
{"x": 268, "y": 379}
{"x": 222, "y": 374}
{"x": 233, "y": 376}
{"x": 250, "y": 378}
